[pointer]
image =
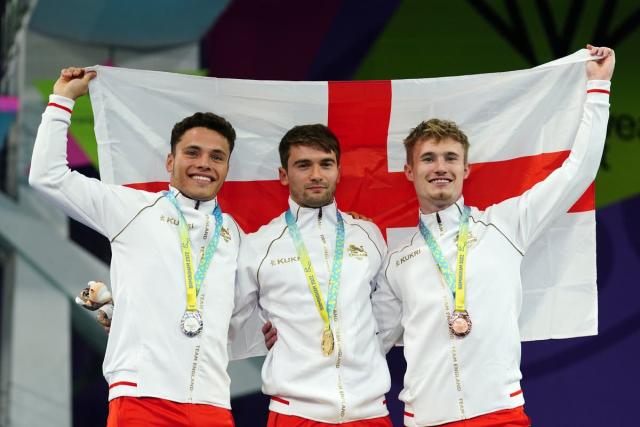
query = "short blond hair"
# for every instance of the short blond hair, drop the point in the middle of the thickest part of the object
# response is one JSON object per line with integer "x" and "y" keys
{"x": 435, "y": 129}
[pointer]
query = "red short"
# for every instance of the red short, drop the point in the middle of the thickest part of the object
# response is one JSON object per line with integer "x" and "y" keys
{"x": 280, "y": 420}
{"x": 506, "y": 418}
{"x": 153, "y": 412}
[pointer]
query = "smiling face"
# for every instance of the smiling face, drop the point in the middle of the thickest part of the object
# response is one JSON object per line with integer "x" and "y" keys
{"x": 311, "y": 175}
{"x": 437, "y": 169}
{"x": 199, "y": 163}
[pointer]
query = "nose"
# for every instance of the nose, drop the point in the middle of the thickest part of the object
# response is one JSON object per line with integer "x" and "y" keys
{"x": 440, "y": 164}
{"x": 315, "y": 172}
{"x": 203, "y": 162}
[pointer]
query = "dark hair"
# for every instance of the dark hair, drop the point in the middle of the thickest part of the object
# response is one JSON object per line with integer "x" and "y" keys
{"x": 316, "y": 136}
{"x": 435, "y": 129}
{"x": 204, "y": 120}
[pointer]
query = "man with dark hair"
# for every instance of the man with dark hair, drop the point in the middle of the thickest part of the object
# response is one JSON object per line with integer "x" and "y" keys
{"x": 203, "y": 120}
{"x": 453, "y": 290}
{"x": 166, "y": 357}
{"x": 312, "y": 269}
{"x": 316, "y": 136}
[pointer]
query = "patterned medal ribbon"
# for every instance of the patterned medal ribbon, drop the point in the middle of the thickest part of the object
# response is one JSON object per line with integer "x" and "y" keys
{"x": 193, "y": 280}
{"x": 456, "y": 282}
{"x": 325, "y": 310}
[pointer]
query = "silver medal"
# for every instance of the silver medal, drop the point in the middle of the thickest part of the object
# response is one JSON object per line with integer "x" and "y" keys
{"x": 191, "y": 323}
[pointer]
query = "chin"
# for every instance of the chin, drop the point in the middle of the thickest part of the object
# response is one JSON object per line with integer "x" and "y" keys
{"x": 442, "y": 196}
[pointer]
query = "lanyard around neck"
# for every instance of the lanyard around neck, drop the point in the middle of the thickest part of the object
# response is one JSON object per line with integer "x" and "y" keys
{"x": 193, "y": 280}
{"x": 457, "y": 281}
{"x": 325, "y": 310}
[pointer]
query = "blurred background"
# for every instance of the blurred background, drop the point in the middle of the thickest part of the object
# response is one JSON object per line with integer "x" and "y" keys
{"x": 51, "y": 351}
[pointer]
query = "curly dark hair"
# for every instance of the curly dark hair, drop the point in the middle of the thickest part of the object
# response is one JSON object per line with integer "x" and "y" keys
{"x": 316, "y": 136}
{"x": 205, "y": 120}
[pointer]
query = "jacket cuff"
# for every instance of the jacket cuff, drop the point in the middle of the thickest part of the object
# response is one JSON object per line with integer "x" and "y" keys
{"x": 61, "y": 102}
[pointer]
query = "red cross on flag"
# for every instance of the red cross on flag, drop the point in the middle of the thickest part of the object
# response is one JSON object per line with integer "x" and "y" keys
{"x": 520, "y": 124}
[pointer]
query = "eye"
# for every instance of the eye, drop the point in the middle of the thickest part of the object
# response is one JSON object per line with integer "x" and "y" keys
{"x": 218, "y": 157}
{"x": 302, "y": 165}
{"x": 327, "y": 165}
{"x": 191, "y": 153}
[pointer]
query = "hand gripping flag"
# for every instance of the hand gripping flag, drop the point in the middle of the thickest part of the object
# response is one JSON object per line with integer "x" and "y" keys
{"x": 521, "y": 125}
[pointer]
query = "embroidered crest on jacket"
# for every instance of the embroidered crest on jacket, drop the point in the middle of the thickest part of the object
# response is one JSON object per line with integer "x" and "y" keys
{"x": 224, "y": 233}
{"x": 357, "y": 252}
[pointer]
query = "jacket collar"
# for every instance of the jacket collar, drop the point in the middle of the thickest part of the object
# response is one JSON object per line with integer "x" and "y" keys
{"x": 186, "y": 202}
{"x": 309, "y": 216}
{"x": 445, "y": 219}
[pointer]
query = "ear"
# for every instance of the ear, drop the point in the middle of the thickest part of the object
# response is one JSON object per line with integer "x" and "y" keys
{"x": 467, "y": 170}
{"x": 169, "y": 163}
{"x": 408, "y": 172}
{"x": 284, "y": 178}
{"x": 338, "y": 179}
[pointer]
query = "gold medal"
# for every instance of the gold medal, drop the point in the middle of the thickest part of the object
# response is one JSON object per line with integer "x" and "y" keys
{"x": 327, "y": 342}
{"x": 460, "y": 324}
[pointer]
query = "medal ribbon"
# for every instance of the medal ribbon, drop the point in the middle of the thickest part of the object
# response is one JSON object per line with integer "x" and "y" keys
{"x": 326, "y": 311}
{"x": 193, "y": 280}
{"x": 455, "y": 281}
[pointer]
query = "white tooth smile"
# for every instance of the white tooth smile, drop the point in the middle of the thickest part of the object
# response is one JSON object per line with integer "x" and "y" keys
{"x": 438, "y": 181}
{"x": 201, "y": 178}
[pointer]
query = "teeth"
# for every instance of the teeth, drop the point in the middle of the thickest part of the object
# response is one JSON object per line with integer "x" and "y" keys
{"x": 201, "y": 178}
{"x": 440, "y": 180}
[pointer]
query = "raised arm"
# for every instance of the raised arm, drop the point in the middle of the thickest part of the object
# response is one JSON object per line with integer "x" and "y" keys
{"x": 552, "y": 197}
{"x": 102, "y": 207}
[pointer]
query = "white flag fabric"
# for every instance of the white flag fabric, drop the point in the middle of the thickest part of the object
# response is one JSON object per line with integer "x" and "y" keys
{"x": 521, "y": 126}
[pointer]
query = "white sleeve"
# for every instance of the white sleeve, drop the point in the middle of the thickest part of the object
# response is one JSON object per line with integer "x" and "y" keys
{"x": 245, "y": 334}
{"x": 379, "y": 242}
{"x": 387, "y": 310}
{"x": 374, "y": 234}
{"x": 550, "y": 198}
{"x": 103, "y": 207}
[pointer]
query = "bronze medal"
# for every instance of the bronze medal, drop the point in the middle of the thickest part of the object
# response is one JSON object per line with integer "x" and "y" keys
{"x": 327, "y": 342}
{"x": 460, "y": 324}
{"x": 191, "y": 323}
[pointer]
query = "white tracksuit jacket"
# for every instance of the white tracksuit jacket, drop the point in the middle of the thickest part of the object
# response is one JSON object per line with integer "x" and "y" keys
{"x": 147, "y": 353}
{"x": 300, "y": 379}
{"x": 448, "y": 378}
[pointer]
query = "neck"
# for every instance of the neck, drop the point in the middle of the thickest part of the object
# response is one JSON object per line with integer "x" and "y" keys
{"x": 427, "y": 207}
{"x": 303, "y": 205}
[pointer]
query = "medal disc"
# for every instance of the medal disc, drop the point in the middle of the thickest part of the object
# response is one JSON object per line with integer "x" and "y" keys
{"x": 327, "y": 342}
{"x": 191, "y": 323}
{"x": 460, "y": 323}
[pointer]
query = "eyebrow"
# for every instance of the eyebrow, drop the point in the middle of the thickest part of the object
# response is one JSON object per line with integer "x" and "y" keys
{"x": 197, "y": 147}
{"x": 323, "y": 160}
{"x": 433, "y": 153}
{"x": 301, "y": 161}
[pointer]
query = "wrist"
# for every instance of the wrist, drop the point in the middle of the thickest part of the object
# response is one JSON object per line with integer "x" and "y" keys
{"x": 67, "y": 94}
{"x": 598, "y": 84}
